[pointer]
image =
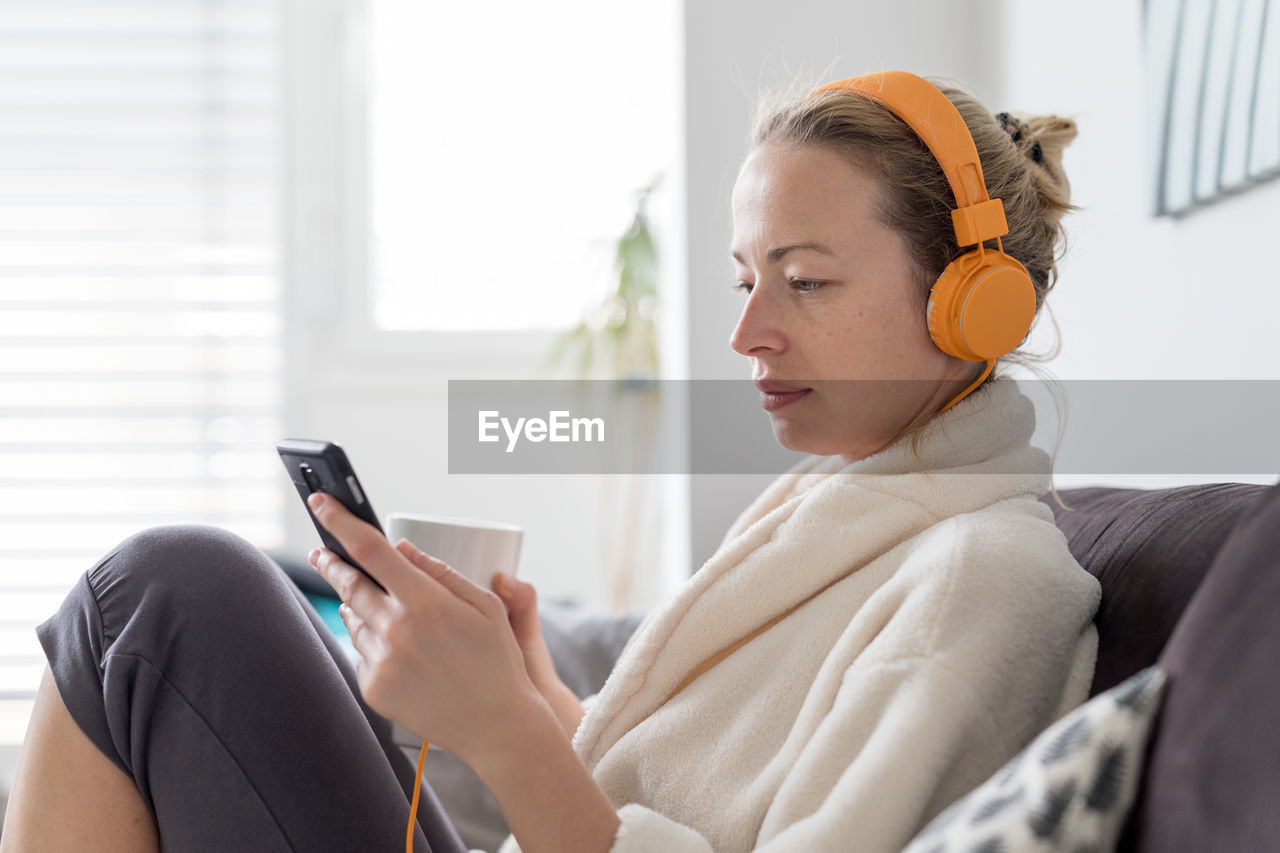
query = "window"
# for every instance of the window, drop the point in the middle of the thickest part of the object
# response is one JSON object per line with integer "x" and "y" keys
{"x": 496, "y": 196}
{"x": 139, "y": 290}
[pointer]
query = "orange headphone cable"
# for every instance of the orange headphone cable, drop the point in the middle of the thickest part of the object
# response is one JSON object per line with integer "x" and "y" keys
{"x": 991, "y": 362}
{"x": 417, "y": 790}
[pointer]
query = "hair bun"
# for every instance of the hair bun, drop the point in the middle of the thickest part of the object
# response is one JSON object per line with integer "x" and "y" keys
{"x": 1041, "y": 139}
{"x": 1049, "y": 135}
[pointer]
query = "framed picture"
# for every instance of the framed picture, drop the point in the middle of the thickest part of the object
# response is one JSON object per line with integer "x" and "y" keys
{"x": 1213, "y": 98}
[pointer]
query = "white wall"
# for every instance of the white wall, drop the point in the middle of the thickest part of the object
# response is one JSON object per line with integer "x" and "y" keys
{"x": 736, "y": 49}
{"x": 1189, "y": 298}
{"x": 1193, "y": 297}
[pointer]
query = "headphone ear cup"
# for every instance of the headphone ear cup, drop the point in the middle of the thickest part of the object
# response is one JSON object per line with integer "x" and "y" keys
{"x": 982, "y": 306}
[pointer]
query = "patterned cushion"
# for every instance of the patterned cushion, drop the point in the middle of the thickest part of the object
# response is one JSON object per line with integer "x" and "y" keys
{"x": 1069, "y": 790}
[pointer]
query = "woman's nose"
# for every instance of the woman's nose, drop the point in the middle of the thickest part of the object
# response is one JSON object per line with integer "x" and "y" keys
{"x": 758, "y": 328}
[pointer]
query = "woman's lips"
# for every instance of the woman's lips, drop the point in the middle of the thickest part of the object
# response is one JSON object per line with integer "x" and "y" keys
{"x": 774, "y": 400}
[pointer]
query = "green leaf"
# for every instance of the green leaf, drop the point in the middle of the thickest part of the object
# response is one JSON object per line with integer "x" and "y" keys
{"x": 628, "y": 345}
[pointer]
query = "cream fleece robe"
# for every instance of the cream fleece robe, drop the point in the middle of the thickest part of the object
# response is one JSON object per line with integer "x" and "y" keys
{"x": 942, "y": 624}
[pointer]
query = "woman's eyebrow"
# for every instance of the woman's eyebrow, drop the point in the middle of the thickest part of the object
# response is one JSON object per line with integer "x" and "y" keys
{"x": 777, "y": 252}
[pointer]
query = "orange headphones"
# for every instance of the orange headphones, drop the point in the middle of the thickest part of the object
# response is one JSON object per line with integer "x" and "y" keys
{"x": 982, "y": 305}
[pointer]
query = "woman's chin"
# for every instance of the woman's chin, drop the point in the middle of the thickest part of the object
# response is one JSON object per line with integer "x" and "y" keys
{"x": 799, "y": 440}
{"x": 794, "y": 438}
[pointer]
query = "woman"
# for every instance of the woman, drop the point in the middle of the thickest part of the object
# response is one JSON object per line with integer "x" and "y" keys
{"x": 879, "y": 631}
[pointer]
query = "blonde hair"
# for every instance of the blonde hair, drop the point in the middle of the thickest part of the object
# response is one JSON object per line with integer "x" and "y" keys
{"x": 1021, "y": 162}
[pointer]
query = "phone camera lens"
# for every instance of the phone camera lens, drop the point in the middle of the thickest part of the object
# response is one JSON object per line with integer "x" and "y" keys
{"x": 313, "y": 482}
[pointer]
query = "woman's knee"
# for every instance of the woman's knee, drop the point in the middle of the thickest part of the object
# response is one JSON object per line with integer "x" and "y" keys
{"x": 188, "y": 568}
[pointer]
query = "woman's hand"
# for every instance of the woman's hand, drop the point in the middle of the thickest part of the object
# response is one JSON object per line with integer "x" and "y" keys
{"x": 439, "y": 656}
{"x": 437, "y": 653}
{"x": 522, "y": 610}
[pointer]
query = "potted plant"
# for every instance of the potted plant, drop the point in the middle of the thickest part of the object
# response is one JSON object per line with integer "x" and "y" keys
{"x": 617, "y": 340}
{"x": 617, "y": 337}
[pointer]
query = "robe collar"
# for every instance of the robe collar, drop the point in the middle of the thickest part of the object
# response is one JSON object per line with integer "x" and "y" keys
{"x": 816, "y": 524}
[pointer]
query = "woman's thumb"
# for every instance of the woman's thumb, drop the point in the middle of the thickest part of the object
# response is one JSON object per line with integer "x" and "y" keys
{"x": 522, "y": 601}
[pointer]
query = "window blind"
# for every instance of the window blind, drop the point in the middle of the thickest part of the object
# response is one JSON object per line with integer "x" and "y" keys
{"x": 140, "y": 351}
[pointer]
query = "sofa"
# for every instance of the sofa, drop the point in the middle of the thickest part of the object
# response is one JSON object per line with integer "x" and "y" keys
{"x": 1190, "y": 580}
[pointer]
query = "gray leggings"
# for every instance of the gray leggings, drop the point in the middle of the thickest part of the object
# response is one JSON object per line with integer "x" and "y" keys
{"x": 192, "y": 662}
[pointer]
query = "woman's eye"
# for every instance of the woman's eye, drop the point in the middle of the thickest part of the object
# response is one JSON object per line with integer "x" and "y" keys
{"x": 802, "y": 285}
{"x": 805, "y": 285}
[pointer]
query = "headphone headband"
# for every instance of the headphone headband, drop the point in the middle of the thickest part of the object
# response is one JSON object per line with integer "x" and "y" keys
{"x": 984, "y": 302}
{"x": 939, "y": 125}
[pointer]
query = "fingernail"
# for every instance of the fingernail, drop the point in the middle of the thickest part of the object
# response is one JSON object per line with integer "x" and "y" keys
{"x": 500, "y": 584}
{"x": 315, "y": 500}
{"x": 314, "y": 557}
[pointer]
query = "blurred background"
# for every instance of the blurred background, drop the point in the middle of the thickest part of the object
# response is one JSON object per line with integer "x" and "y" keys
{"x": 224, "y": 222}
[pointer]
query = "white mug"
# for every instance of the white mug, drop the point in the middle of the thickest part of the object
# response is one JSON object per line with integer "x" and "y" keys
{"x": 475, "y": 549}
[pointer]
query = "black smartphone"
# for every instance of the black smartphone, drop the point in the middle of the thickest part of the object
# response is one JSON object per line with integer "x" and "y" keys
{"x": 322, "y": 466}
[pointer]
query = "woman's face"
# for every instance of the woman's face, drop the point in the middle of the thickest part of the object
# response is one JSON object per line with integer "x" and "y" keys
{"x": 832, "y": 308}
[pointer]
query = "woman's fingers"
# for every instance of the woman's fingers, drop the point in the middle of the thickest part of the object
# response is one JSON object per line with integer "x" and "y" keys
{"x": 363, "y": 542}
{"x": 440, "y": 571}
{"x": 356, "y": 591}
{"x": 522, "y": 606}
{"x": 368, "y": 547}
{"x": 521, "y": 600}
{"x": 362, "y": 639}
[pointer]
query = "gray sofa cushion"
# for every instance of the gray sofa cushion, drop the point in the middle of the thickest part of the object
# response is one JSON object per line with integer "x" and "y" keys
{"x": 1213, "y": 774}
{"x": 1149, "y": 549}
{"x": 585, "y": 643}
